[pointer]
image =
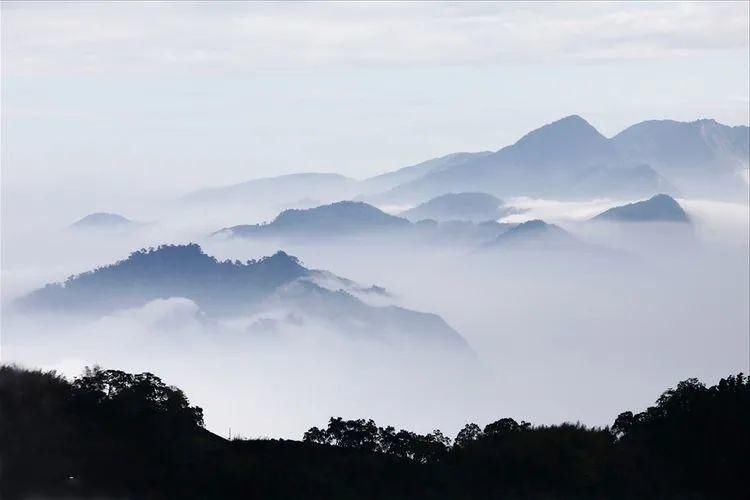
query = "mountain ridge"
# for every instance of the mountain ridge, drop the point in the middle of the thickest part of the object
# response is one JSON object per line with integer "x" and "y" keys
{"x": 564, "y": 159}
{"x": 338, "y": 218}
{"x": 233, "y": 289}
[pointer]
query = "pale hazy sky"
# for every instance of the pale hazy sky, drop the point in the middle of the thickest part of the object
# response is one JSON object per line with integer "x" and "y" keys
{"x": 173, "y": 96}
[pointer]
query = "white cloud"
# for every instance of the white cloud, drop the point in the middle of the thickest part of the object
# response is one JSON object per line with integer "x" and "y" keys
{"x": 62, "y": 38}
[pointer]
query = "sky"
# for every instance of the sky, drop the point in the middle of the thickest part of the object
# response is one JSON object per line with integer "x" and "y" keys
{"x": 166, "y": 97}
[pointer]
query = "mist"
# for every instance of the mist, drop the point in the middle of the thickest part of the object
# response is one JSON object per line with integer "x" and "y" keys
{"x": 554, "y": 335}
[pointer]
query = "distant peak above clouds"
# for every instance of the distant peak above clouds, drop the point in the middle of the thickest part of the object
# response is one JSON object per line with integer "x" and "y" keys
{"x": 569, "y": 139}
{"x": 471, "y": 206}
{"x": 573, "y": 125}
{"x": 536, "y": 234}
{"x": 336, "y": 219}
{"x": 102, "y": 220}
{"x": 569, "y": 158}
{"x": 659, "y": 208}
{"x": 565, "y": 159}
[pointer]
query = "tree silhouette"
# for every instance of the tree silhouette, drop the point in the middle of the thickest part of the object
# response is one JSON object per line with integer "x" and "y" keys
{"x": 113, "y": 434}
{"x": 471, "y": 432}
{"x": 504, "y": 426}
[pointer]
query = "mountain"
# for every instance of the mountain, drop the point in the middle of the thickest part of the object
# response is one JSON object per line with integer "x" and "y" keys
{"x": 340, "y": 218}
{"x": 282, "y": 189}
{"x": 703, "y": 156}
{"x": 169, "y": 271}
{"x": 659, "y": 208}
{"x": 350, "y": 218}
{"x": 537, "y": 235}
{"x": 476, "y": 207}
{"x": 101, "y": 220}
{"x": 567, "y": 158}
{"x": 564, "y": 159}
{"x": 570, "y": 140}
{"x": 273, "y": 292}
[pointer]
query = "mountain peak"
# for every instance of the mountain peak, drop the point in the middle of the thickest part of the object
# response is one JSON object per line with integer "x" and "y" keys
{"x": 169, "y": 271}
{"x": 473, "y": 206}
{"x": 537, "y": 234}
{"x": 339, "y": 218}
{"x": 570, "y": 123}
{"x": 573, "y": 124}
{"x": 102, "y": 219}
{"x": 531, "y": 225}
{"x": 658, "y": 208}
{"x": 338, "y": 213}
{"x": 576, "y": 119}
{"x": 570, "y": 140}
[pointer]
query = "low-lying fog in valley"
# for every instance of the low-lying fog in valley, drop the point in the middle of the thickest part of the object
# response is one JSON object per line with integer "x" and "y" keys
{"x": 553, "y": 333}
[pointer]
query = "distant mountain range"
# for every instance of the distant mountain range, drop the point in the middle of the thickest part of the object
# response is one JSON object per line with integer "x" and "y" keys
{"x": 275, "y": 292}
{"x": 350, "y": 218}
{"x": 568, "y": 158}
{"x": 343, "y": 219}
{"x": 339, "y": 219}
{"x": 565, "y": 159}
{"x": 659, "y": 208}
{"x": 475, "y": 207}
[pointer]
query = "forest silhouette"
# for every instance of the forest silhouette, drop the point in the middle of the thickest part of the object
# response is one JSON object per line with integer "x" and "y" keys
{"x": 114, "y": 434}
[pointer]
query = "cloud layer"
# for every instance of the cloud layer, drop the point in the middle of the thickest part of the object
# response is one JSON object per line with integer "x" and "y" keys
{"x": 96, "y": 37}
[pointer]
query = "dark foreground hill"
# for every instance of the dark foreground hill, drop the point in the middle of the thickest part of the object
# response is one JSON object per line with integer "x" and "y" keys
{"x": 111, "y": 434}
